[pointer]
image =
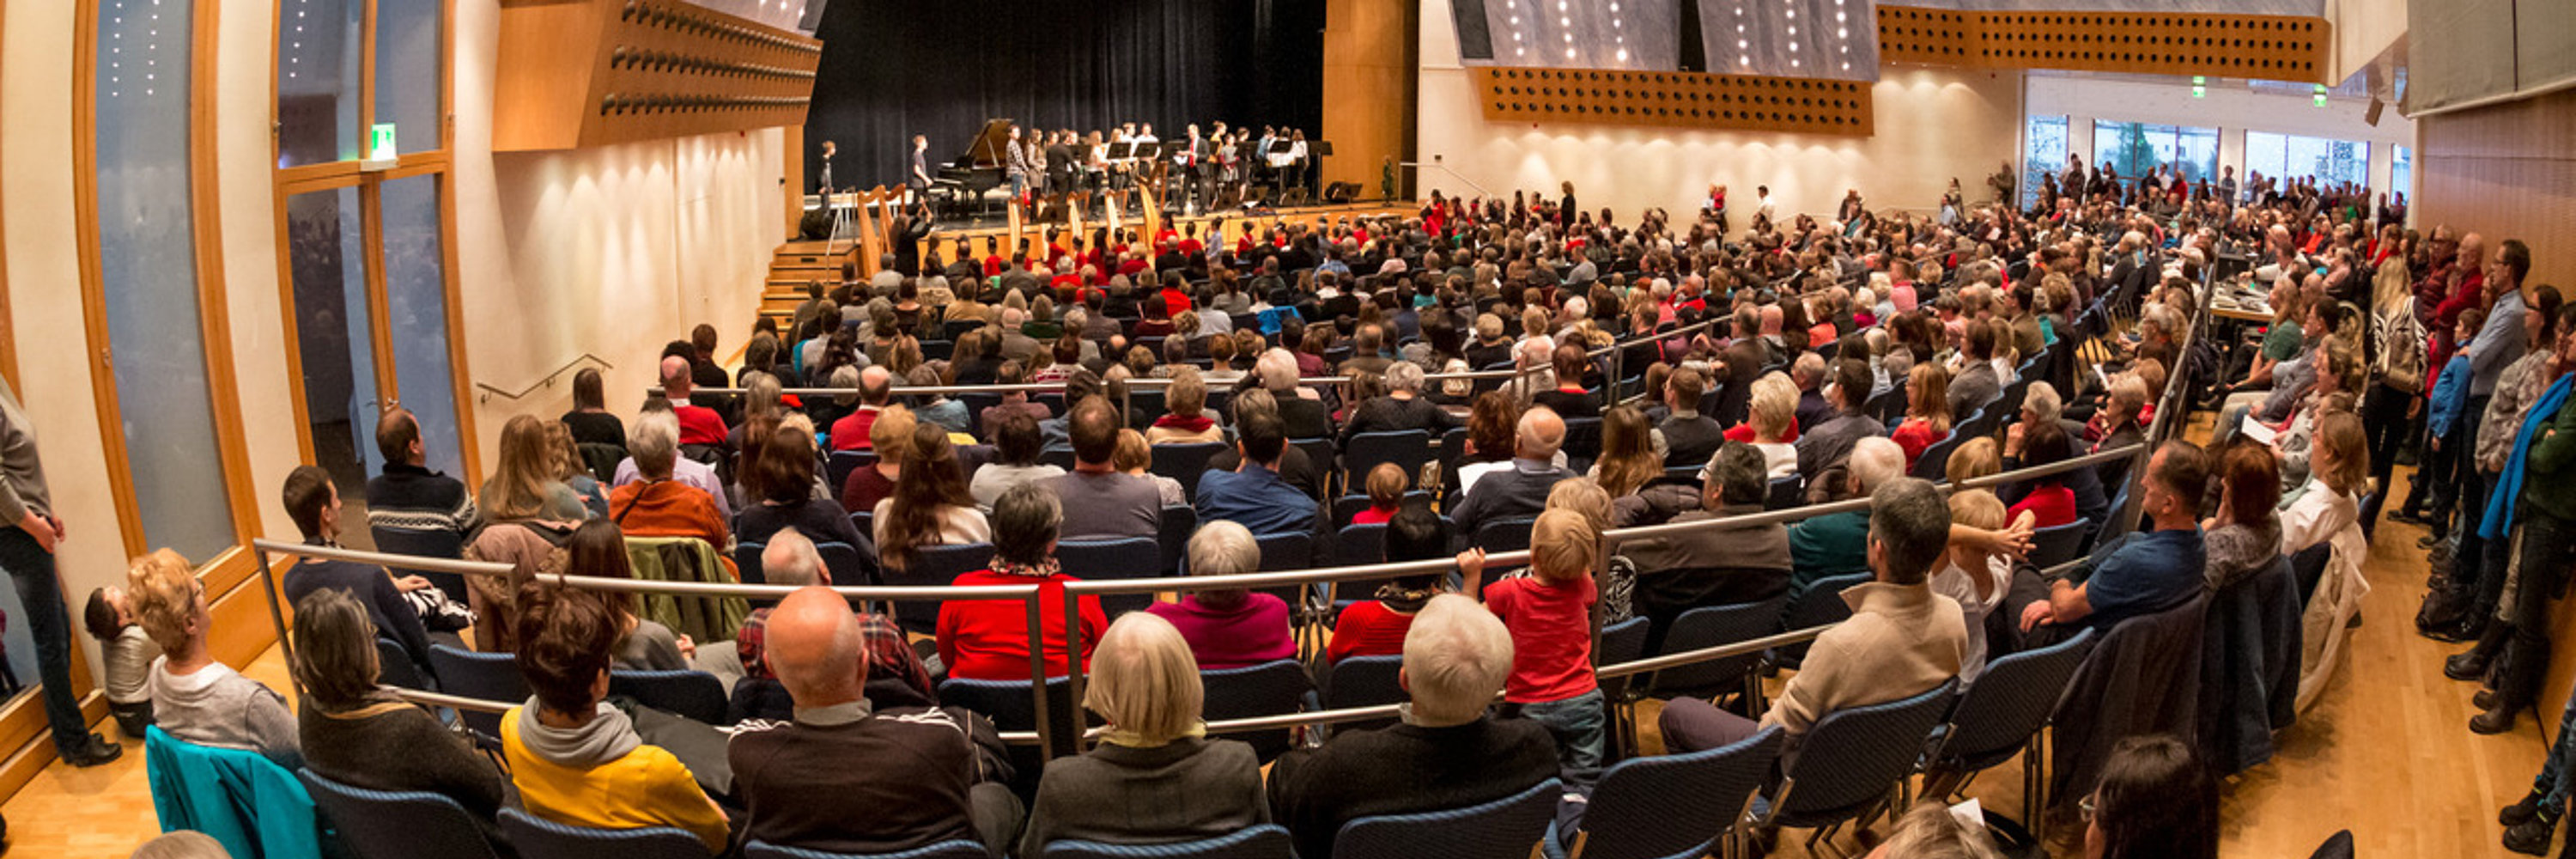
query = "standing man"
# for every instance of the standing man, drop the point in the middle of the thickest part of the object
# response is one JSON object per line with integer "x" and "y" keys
{"x": 1015, "y": 165}
{"x": 824, "y": 187}
{"x": 27, "y": 552}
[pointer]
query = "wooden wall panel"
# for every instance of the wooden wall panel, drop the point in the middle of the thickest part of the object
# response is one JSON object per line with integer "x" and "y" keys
{"x": 2272, "y": 47}
{"x": 593, "y": 72}
{"x": 1675, "y": 99}
{"x": 1369, "y": 49}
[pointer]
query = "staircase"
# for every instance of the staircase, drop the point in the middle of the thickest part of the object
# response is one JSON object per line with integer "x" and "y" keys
{"x": 794, "y": 265}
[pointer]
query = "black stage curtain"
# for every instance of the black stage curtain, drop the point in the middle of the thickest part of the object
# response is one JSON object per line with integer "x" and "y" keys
{"x": 895, "y": 68}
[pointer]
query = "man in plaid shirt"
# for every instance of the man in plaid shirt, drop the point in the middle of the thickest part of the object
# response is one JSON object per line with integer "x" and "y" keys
{"x": 896, "y": 675}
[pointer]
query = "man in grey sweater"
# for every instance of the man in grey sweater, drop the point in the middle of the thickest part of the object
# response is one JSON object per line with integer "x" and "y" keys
{"x": 27, "y": 552}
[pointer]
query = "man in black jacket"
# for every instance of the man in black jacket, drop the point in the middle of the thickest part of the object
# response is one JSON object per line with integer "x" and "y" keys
{"x": 1447, "y": 754}
{"x": 314, "y": 504}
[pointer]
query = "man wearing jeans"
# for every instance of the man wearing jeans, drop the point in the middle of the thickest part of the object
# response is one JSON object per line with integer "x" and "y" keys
{"x": 27, "y": 552}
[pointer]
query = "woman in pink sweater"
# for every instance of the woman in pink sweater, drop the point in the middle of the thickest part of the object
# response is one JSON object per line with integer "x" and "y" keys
{"x": 1233, "y": 627}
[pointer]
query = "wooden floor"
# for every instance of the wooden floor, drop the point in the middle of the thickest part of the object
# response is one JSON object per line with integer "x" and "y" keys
{"x": 2386, "y": 753}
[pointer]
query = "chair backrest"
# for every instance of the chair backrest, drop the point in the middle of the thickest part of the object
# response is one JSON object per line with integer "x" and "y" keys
{"x": 394, "y": 666}
{"x": 426, "y": 544}
{"x": 1268, "y": 689}
{"x": 866, "y": 523}
{"x": 842, "y": 463}
{"x": 746, "y": 562}
{"x": 845, "y": 563}
{"x": 537, "y": 838}
{"x": 1356, "y": 545}
{"x": 1144, "y": 406}
{"x": 1318, "y": 451}
{"x": 488, "y": 676}
{"x": 1185, "y": 462}
{"x": 1503, "y": 829}
{"x": 976, "y": 403}
{"x": 1267, "y": 841}
{"x": 1118, "y": 558}
{"x": 1853, "y": 755}
{"x": 1505, "y": 535}
{"x": 1786, "y": 492}
{"x": 1674, "y": 805}
{"x": 1363, "y": 681}
{"x": 1712, "y": 626}
{"x": 378, "y": 824}
{"x": 602, "y": 459}
{"x": 1179, "y": 522}
{"x": 952, "y": 849}
{"x": 1058, "y": 456}
{"x": 2010, "y": 702}
{"x": 933, "y": 565}
{"x": 1408, "y": 449}
{"x": 1289, "y": 551}
{"x": 1821, "y": 603}
{"x": 938, "y": 350}
{"x": 2050, "y": 547}
{"x": 1582, "y": 438}
{"x": 1012, "y": 707}
{"x": 695, "y": 694}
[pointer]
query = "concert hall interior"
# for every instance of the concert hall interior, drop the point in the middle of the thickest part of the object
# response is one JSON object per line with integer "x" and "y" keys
{"x": 1622, "y": 429}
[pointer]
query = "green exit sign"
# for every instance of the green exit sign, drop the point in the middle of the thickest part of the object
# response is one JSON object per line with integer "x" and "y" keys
{"x": 380, "y": 141}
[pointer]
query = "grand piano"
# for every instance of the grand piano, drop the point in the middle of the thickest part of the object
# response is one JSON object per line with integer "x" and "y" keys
{"x": 960, "y": 186}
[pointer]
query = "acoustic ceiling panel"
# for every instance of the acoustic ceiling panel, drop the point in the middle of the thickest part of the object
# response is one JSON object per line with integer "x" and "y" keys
{"x": 593, "y": 72}
{"x": 2272, "y": 47}
{"x": 1675, "y": 99}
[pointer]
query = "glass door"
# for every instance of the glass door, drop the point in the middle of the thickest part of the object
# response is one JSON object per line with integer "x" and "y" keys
{"x": 335, "y": 335}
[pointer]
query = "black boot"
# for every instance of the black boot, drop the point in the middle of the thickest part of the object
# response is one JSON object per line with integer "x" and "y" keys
{"x": 2532, "y": 836}
{"x": 2496, "y": 720}
{"x": 2472, "y": 664}
{"x": 2518, "y": 812}
{"x": 2485, "y": 698}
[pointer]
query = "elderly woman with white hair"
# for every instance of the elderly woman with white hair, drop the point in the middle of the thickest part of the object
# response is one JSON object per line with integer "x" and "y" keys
{"x": 1228, "y": 627}
{"x": 1447, "y": 754}
{"x": 1300, "y": 407}
{"x": 1155, "y": 777}
{"x": 1403, "y": 408}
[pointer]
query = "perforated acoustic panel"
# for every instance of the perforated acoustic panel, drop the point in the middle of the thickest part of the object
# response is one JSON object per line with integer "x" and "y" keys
{"x": 1678, "y": 99}
{"x": 592, "y": 72}
{"x": 2273, "y": 47}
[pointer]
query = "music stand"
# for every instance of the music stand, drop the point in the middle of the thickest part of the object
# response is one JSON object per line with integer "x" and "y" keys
{"x": 1281, "y": 146}
{"x": 1119, "y": 151}
{"x": 1322, "y": 148}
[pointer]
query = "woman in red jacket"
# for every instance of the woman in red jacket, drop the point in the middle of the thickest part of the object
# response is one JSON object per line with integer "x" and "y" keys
{"x": 988, "y": 639}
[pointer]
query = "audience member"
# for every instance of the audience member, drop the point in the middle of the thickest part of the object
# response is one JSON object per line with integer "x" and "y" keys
{"x": 1771, "y": 425}
{"x": 196, "y": 699}
{"x": 659, "y": 506}
{"x": 875, "y": 393}
{"x": 1015, "y": 460}
{"x": 2142, "y": 573}
{"x": 2244, "y": 538}
{"x": 1186, "y": 419}
{"x": 1228, "y": 627}
{"x": 1253, "y": 494}
{"x": 1447, "y": 754}
{"x": 989, "y": 639}
{"x": 2049, "y": 499}
{"x": 1837, "y": 544}
{"x": 1376, "y": 626}
{"x": 597, "y": 549}
{"x": 930, "y": 505}
{"x": 1927, "y": 412}
{"x": 1975, "y": 578}
{"x": 698, "y": 424}
{"x": 844, "y": 777}
{"x": 786, "y": 486}
{"x": 356, "y": 733}
{"x": 1099, "y": 501}
{"x": 1902, "y": 639}
{"x": 1135, "y": 458}
{"x": 1385, "y": 486}
{"x": 590, "y": 419}
{"x": 1688, "y": 435}
{"x": 1629, "y": 454}
{"x": 685, "y": 471}
{"x": 314, "y": 504}
{"x": 128, "y": 653}
{"x": 408, "y": 496}
{"x": 1827, "y": 444}
{"x": 1712, "y": 566}
{"x": 2155, "y": 799}
{"x": 575, "y": 759}
{"x": 1520, "y": 490}
{"x": 524, "y": 486}
{"x": 890, "y": 436}
{"x": 1155, "y": 777}
{"x": 896, "y": 675}
{"x": 1549, "y": 614}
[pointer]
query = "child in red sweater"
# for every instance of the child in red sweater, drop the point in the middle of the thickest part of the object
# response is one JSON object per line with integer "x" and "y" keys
{"x": 1376, "y": 627}
{"x": 1550, "y": 616}
{"x": 1385, "y": 492}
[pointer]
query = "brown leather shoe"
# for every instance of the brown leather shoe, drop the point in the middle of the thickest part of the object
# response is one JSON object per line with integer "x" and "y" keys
{"x": 2496, "y": 720}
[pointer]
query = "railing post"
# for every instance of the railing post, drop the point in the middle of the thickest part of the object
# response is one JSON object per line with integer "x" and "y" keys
{"x": 1072, "y": 661}
{"x": 1038, "y": 678}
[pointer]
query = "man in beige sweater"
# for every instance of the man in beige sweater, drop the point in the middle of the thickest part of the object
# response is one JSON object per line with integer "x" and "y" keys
{"x": 1902, "y": 639}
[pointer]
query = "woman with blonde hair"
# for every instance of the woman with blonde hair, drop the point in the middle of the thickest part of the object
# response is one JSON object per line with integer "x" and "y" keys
{"x": 1185, "y": 419}
{"x": 1771, "y": 423}
{"x": 196, "y": 699}
{"x": 573, "y": 471}
{"x": 1134, "y": 456}
{"x": 1927, "y": 411}
{"x": 524, "y": 485}
{"x": 1628, "y": 454}
{"x": 2327, "y": 510}
{"x": 1155, "y": 776}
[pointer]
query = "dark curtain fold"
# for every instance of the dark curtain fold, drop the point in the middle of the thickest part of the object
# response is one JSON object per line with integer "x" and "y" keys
{"x": 892, "y": 69}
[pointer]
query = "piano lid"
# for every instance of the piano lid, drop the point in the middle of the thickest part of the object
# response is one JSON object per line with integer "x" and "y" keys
{"x": 990, "y": 146}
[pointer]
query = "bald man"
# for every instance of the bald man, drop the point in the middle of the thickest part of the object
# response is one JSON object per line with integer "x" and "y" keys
{"x": 876, "y": 391}
{"x": 841, "y": 778}
{"x": 1520, "y": 489}
{"x": 698, "y": 424}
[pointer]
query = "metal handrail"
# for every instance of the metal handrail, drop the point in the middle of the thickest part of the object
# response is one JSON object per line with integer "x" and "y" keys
{"x": 547, "y": 380}
{"x": 388, "y": 559}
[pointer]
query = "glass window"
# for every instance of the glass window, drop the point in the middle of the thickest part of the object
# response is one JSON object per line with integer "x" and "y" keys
{"x": 148, "y": 273}
{"x": 2133, "y": 148}
{"x": 408, "y": 70}
{"x": 335, "y": 342}
{"x": 2401, "y": 172}
{"x": 2290, "y": 156}
{"x": 317, "y": 81}
{"x": 416, "y": 308}
{"x": 2043, "y": 154}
